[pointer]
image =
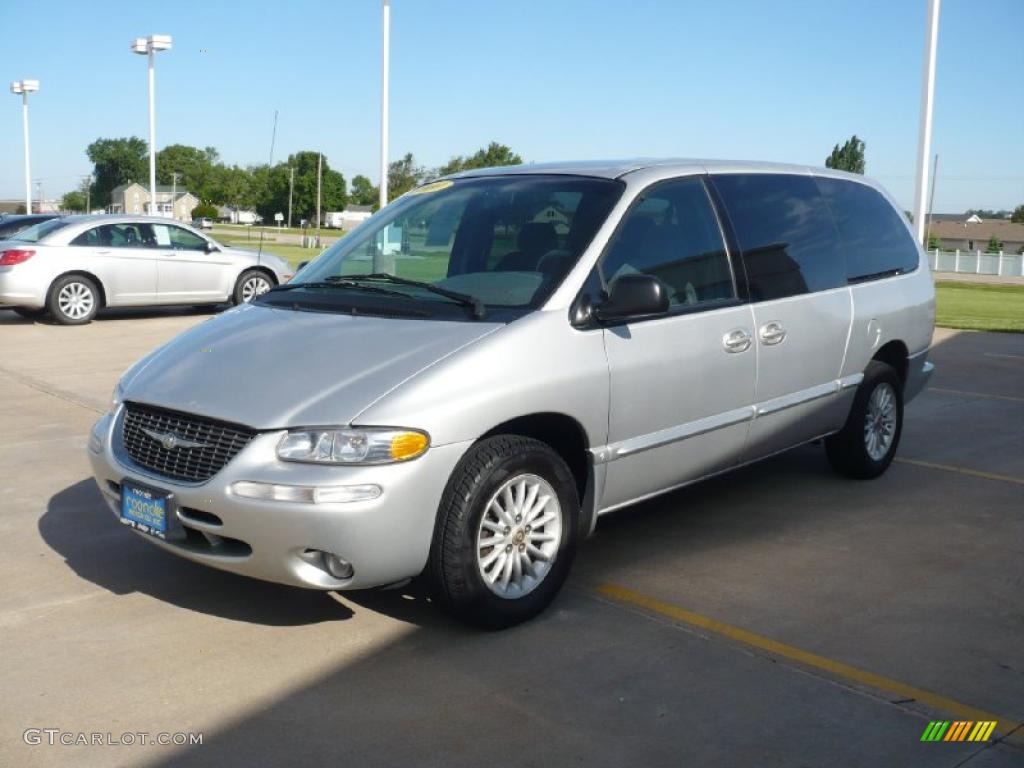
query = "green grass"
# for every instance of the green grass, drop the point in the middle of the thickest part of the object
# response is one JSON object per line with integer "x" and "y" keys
{"x": 293, "y": 254}
{"x": 980, "y": 306}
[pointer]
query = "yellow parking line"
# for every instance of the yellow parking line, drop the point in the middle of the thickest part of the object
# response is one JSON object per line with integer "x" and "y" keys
{"x": 775, "y": 648}
{"x": 961, "y": 470}
{"x": 965, "y": 393}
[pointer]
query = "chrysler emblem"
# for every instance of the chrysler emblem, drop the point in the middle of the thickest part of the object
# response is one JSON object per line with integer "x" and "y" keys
{"x": 170, "y": 441}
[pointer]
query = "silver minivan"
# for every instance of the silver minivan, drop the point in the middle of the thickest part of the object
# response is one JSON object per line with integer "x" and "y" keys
{"x": 462, "y": 385}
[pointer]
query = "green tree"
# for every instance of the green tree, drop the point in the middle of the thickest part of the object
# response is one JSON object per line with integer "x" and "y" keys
{"x": 403, "y": 175}
{"x": 995, "y": 245}
{"x": 196, "y": 168}
{"x": 73, "y": 201}
{"x": 1017, "y": 217}
{"x": 116, "y": 161}
{"x": 204, "y": 211}
{"x": 493, "y": 155}
{"x": 934, "y": 243}
{"x": 275, "y": 182}
{"x": 363, "y": 192}
{"x": 849, "y": 157}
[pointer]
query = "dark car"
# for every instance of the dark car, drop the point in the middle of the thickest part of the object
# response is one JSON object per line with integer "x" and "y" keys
{"x": 12, "y": 224}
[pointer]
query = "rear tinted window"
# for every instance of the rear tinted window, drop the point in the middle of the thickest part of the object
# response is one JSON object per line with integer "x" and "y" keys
{"x": 786, "y": 234}
{"x": 873, "y": 234}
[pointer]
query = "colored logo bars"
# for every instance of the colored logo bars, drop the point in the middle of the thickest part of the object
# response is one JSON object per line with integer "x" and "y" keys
{"x": 961, "y": 730}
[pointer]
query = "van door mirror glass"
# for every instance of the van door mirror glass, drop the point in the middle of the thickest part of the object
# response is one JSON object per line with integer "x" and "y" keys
{"x": 633, "y": 296}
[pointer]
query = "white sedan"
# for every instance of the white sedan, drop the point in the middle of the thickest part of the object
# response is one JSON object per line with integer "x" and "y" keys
{"x": 73, "y": 266}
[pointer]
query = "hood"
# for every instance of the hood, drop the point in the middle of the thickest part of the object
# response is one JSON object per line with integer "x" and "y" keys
{"x": 270, "y": 368}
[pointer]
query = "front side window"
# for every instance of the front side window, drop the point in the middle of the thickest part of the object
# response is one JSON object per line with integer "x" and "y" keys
{"x": 785, "y": 231}
{"x": 874, "y": 235}
{"x": 506, "y": 241}
{"x": 672, "y": 233}
{"x": 183, "y": 240}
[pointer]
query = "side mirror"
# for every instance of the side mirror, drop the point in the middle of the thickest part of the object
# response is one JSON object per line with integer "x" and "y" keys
{"x": 301, "y": 265}
{"x": 211, "y": 247}
{"x": 633, "y": 296}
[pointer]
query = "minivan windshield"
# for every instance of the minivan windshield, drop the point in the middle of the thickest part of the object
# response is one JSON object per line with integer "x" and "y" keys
{"x": 472, "y": 244}
{"x": 37, "y": 232}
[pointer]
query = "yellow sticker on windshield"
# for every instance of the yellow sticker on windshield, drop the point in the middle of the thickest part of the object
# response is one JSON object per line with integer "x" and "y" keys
{"x": 426, "y": 189}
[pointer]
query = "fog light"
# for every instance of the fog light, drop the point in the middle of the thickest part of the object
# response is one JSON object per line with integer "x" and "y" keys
{"x": 338, "y": 567}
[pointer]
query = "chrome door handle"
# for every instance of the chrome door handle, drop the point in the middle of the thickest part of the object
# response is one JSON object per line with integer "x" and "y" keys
{"x": 737, "y": 340}
{"x": 103, "y": 252}
{"x": 772, "y": 333}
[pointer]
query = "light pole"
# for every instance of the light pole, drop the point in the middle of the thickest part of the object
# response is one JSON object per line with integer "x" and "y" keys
{"x": 23, "y": 88}
{"x": 384, "y": 77}
{"x": 924, "y": 143}
{"x": 148, "y": 46}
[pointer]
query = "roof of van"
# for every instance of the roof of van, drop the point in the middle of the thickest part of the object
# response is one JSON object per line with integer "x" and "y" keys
{"x": 613, "y": 169}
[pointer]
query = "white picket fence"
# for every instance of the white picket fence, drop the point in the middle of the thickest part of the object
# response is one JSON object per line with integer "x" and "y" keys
{"x": 977, "y": 263}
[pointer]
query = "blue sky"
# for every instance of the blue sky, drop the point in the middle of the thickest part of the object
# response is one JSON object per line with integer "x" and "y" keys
{"x": 566, "y": 79}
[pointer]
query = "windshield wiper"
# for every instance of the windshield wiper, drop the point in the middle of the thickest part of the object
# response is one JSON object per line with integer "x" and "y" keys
{"x": 465, "y": 299}
{"x": 338, "y": 282}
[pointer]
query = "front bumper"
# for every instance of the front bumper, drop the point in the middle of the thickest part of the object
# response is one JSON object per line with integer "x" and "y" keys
{"x": 919, "y": 371}
{"x": 386, "y": 539}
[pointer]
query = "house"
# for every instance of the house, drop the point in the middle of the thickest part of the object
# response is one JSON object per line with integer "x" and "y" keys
{"x": 134, "y": 198}
{"x": 354, "y": 215}
{"x": 973, "y": 233}
{"x": 229, "y": 214}
{"x": 554, "y": 216}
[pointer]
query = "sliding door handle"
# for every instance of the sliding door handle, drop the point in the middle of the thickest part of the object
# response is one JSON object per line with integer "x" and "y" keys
{"x": 772, "y": 333}
{"x": 737, "y": 340}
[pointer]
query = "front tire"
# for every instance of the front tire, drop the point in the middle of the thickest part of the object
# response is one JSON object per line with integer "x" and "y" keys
{"x": 250, "y": 284}
{"x": 506, "y": 532}
{"x": 867, "y": 444}
{"x": 73, "y": 300}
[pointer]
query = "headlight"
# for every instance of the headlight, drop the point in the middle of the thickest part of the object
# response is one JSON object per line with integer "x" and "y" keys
{"x": 116, "y": 397}
{"x": 371, "y": 445}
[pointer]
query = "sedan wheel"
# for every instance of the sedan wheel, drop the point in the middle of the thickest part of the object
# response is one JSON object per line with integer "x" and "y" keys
{"x": 74, "y": 300}
{"x": 251, "y": 284}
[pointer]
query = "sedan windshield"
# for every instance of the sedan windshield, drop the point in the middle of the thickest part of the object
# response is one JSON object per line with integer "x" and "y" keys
{"x": 37, "y": 232}
{"x": 489, "y": 242}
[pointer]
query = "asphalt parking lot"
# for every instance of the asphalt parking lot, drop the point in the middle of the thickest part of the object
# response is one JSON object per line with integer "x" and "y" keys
{"x": 779, "y": 615}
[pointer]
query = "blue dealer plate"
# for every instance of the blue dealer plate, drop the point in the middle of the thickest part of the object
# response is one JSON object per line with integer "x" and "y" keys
{"x": 144, "y": 509}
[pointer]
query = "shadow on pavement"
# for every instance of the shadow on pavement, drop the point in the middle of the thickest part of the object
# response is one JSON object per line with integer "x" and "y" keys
{"x": 78, "y": 526}
{"x": 9, "y": 317}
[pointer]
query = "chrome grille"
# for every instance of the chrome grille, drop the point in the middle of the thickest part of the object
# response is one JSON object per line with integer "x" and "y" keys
{"x": 220, "y": 441}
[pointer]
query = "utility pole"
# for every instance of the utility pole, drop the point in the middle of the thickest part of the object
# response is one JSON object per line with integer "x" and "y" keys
{"x": 87, "y": 183}
{"x": 924, "y": 143}
{"x": 385, "y": 67}
{"x": 291, "y": 190}
{"x": 319, "y": 169}
{"x": 39, "y": 197}
{"x": 174, "y": 192}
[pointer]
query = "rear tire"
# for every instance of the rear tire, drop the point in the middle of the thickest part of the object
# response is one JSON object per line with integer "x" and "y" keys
{"x": 519, "y": 494}
{"x": 250, "y": 284}
{"x": 867, "y": 444}
{"x": 73, "y": 300}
